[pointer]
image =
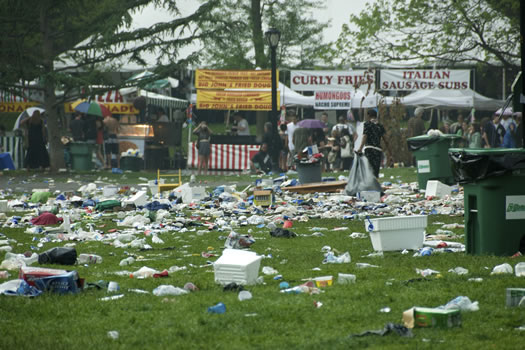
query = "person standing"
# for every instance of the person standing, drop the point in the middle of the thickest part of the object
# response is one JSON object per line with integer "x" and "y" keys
{"x": 373, "y": 132}
{"x": 243, "y": 128}
{"x": 290, "y": 128}
{"x": 416, "y": 125}
{"x": 283, "y": 155}
{"x": 203, "y": 133}
{"x": 77, "y": 128}
{"x": 328, "y": 126}
{"x": 36, "y": 156}
{"x": 347, "y": 152}
{"x": 474, "y": 136}
{"x": 112, "y": 145}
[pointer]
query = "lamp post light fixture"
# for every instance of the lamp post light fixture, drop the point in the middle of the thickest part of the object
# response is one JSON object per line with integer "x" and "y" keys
{"x": 272, "y": 37}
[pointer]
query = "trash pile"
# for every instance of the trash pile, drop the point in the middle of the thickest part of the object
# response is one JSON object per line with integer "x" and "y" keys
{"x": 141, "y": 220}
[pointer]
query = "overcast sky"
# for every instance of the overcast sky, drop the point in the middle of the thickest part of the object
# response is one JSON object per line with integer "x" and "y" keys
{"x": 338, "y": 11}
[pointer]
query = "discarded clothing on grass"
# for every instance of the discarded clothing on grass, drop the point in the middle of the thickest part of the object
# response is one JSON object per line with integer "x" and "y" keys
{"x": 156, "y": 205}
{"x": 46, "y": 219}
{"x": 389, "y": 327}
{"x": 109, "y": 204}
{"x": 279, "y": 232}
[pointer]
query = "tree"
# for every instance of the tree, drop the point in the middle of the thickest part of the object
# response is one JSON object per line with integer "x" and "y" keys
{"x": 451, "y": 31}
{"x": 243, "y": 45}
{"x": 72, "y": 44}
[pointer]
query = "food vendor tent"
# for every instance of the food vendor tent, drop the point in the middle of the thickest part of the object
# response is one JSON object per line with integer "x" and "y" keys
{"x": 153, "y": 98}
{"x": 457, "y": 99}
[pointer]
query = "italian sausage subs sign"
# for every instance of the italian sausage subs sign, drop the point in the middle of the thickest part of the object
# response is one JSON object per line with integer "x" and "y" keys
{"x": 424, "y": 79}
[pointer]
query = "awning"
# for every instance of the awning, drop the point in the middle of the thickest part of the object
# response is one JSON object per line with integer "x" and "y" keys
{"x": 163, "y": 101}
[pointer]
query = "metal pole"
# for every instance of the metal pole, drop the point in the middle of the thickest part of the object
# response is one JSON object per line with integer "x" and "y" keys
{"x": 274, "y": 119}
{"x": 522, "y": 37}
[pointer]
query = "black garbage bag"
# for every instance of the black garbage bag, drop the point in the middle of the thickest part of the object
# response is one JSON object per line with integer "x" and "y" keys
{"x": 279, "y": 232}
{"x": 361, "y": 177}
{"x": 470, "y": 165}
{"x": 58, "y": 255}
{"x": 417, "y": 143}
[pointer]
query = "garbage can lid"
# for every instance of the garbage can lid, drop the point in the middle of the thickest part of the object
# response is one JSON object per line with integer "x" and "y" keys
{"x": 417, "y": 142}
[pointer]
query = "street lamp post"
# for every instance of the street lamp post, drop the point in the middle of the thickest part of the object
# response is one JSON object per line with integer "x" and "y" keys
{"x": 272, "y": 37}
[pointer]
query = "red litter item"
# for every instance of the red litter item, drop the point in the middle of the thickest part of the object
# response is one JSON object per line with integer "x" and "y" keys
{"x": 287, "y": 224}
{"x": 162, "y": 274}
{"x": 517, "y": 255}
{"x": 46, "y": 219}
{"x": 191, "y": 287}
{"x": 442, "y": 245}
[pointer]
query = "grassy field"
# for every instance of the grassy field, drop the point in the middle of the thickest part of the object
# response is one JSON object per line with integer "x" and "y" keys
{"x": 271, "y": 319}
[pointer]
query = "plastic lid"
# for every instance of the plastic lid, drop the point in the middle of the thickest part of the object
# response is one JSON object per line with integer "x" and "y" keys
{"x": 428, "y": 137}
{"x": 487, "y": 151}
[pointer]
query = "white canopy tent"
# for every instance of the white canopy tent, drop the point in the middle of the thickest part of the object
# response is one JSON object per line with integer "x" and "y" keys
{"x": 457, "y": 99}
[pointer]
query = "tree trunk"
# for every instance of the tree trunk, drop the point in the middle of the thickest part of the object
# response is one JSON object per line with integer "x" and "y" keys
{"x": 257, "y": 34}
{"x": 56, "y": 157}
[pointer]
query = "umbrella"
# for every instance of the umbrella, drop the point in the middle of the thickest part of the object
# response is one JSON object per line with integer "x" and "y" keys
{"x": 508, "y": 111}
{"x": 92, "y": 108}
{"x": 311, "y": 124}
{"x": 26, "y": 114}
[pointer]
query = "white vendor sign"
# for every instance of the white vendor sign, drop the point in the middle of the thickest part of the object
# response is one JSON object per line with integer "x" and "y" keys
{"x": 333, "y": 100}
{"x": 321, "y": 80}
{"x": 424, "y": 79}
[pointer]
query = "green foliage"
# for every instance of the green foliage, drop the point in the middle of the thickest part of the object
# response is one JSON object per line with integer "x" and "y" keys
{"x": 449, "y": 31}
{"x": 238, "y": 46}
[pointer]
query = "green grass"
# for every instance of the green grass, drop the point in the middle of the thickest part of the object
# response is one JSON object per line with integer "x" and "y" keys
{"x": 271, "y": 320}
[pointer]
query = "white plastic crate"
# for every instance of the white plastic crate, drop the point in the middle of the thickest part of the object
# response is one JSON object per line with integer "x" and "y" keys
{"x": 239, "y": 266}
{"x": 397, "y": 233}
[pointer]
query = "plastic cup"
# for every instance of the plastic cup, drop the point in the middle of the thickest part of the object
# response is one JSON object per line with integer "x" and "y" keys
{"x": 113, "y": 287}
{"x": 244, "y": 295}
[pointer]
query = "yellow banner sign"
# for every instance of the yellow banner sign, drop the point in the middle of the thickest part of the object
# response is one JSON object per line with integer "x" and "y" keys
{"x": 16, "y": 107}
{"x": 115, "y": 108}
{"x": 234, "y": 79}
{"x": 235, "y": 100}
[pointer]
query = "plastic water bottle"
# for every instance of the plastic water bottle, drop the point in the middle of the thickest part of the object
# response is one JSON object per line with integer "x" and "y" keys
{"x": 89, "y": 259}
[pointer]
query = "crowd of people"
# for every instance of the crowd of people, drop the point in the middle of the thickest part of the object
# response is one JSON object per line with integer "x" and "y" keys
{"x": 339, "y": 143}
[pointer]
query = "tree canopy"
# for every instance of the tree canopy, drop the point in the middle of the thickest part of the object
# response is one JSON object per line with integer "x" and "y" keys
{"x": 448, "y": 31}
{"x": 68, "y": 45}
{"x": 243, "y": 44}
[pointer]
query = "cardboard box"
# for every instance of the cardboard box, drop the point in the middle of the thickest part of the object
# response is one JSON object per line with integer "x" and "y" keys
{"x": 239, "y": 266}
{"x": 440, "y": 318}
{"x": 323, "y": 281}
{"x": 514, "y": 296}
{"x": 29, "y": 274}
{"x": 397, "y": 233}
{"x": 263, "y": 198}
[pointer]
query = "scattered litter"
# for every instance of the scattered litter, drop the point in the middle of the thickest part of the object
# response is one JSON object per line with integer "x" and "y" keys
{"x": 459, "y": 271}
{"x": 502, "y": 269}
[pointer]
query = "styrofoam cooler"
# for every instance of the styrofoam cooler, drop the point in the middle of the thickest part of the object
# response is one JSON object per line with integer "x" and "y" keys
{"x": 397, "y": 233}
{"x": 239, "y": 266}
{"x": 437, "y": 189}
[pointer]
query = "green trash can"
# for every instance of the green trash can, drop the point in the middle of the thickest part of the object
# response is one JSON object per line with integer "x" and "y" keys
{"x": 131, "y": 163}
{"x": 432, "y": 157}
{"x": 494, "y": 198}
{"x": 81, "y": 155}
